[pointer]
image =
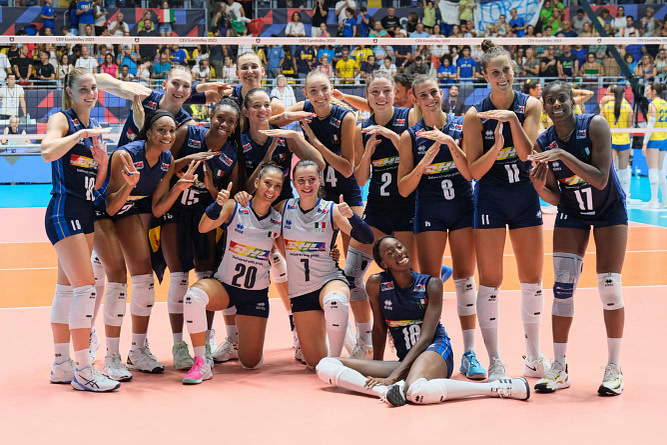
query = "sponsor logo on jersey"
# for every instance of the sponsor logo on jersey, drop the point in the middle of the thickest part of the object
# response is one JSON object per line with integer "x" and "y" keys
{"x": 239, "y": 228}
{"x": 194, "y": 143}
{"x": 244, "y": 211}
{"x": 152, "y": 104}
{"x": 76, "y": 122}
{"x": 389, "y": 285}
{"x": 440, "y": 167}
{"x": 226, "y": 160}
{"x": 506, "y": 153}
{"x": 261, "y": 306}
{"x": 165, "y": 166}
{"x": 82, "y": 161}
{"x": 386, "y": 162}
{"x": 572, "y": 180}
{"x": 334, "y": 137}
{"x": 388, "y": 305}
{"x": 247, "y": 147}
{"x": 421, "y": 149}
{"x": 488, "y": 134}
{"x": 288, "y": 224}
{"x": 139, "y": 165}
{"x": 399, "y": 122}
{"x": 581, "y": 134}
{"x": 553, "y": 145}
{"x": 420, "y": 288}
{"x": 401, "y": 323}
{"x": 335, "y": 122}
{"x": 305, "y": 246}
{"x": 249, "y": 251}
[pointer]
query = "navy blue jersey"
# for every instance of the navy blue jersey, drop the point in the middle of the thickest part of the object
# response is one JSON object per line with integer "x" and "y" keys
{"x": 253, "y": 153}
{"x": 238, "y": 97}
{"x": 403, "y": 310}
{"x": 221, "y": 166}
{"x": 329, "y": 133}
{"x": 441, "y": 180}
{"x": 149, "y": 176}
{"x": 578, "y": 197}
{"x": 75, "y": 172}
{"x": 508, "y": 168}
{"x": 383, "y": 187}
{"x": 151, "y": 103}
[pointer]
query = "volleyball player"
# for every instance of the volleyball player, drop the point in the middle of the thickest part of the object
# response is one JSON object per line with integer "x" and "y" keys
{"x": 574, "y": 171}
{"x": 618, "y": 113}
{"x": 654, "y": 146}
{"x": 242, "y": 279}
{"x": 318, "y": 289}
{"x": 218, "y": 149}
{"x": 78, "y": 166}
{"x": 150, "y": 166}
{"x": 409, "y": 304}
{"x": 506, "y": 123}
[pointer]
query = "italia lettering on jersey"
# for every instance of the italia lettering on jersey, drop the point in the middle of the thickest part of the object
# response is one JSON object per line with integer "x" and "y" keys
{"x": 249, "y": 251}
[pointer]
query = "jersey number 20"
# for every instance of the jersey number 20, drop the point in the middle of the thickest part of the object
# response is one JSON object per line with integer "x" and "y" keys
{"x": 250, "y": 274}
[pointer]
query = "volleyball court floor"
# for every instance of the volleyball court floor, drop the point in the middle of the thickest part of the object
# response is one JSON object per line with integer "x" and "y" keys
{"x": 284, "y": 403}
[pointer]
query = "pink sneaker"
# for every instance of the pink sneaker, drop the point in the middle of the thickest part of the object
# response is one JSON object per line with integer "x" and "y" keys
{"x": 199, "y": 372}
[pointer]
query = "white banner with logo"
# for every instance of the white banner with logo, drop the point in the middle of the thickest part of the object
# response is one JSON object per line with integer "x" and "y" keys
{"x": 489, "y": 12}
{"x": 449, "y": 11}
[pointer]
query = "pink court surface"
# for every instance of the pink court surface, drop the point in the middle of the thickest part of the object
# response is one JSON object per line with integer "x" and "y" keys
{"x": 283, "y": 403}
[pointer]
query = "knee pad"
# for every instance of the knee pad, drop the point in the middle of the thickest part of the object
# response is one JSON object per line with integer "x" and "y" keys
{"x": 611, "y": 291}
{"x": 567, "y": 270}
{"x": 143, "y": 295}
{"x": 532, "y": 302}
{"x": 194, "y": 310}
{"x": 62, "y": 300}
{"x": 465, "y": 296}
{"x": 178, "y": 286}
{"x": 278, "y": 267}
{"x": 115, "y": 304}
{"x": 82, "y": 307}
{"x": 231, "y": 310}
{"x": 203, "y": 274}
{"x": 328, "y": 370}
{"x": 357, "y": 264}
{"x": 257, "y": 366}
{"x": 424, "y": 391}
{"x": 336, "y": 308}
{"x": 487, "y": 307}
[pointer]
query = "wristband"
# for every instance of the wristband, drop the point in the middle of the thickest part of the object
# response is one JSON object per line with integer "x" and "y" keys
{"x": 213, "y": 210}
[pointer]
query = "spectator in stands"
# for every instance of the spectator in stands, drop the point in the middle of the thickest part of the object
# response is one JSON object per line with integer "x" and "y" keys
{"x": 346, "y": 68}
{"x": 591, "y": 69}
{"x": 555, "y": 21}
{"x": 324, "y": 66}
{"x": 411, "y": 25}
{"x": 125, "y": 74}
{"x": 446, "y": 71}
{"x": 304, "y": 61}
{"x": 340, "y": 9}
{"x": 568, "y": 64}
{"x": 531, "y": 65}
{"x": 417, "y": 68}
{"x": 229, "y": 71}
{"x": 129, "y": 58}
{"x": 324, "y": 32}
{"x": 453, "y": 103}
{"x": 650, "y": 25}
{"x": 179, "y": 56}
{"x": 86, "y": 61}
{"x": 44, "y": 71}
{"x": 165, "y": 19}
{"x": 620, "y": 22}
{"x": 89, "y": 32}
{"x": 119, "y": 27}
{"x": 64, "y": 67}
{"x": 361, "y": 53}
{"x": 161, "y": 68}
{"x": 377, "y": 30}
{"x": 276, "y": 56}
{"x": 518, "y": 23}
{"x": 109, "y": 66}
{"x": 234, "y": 10}
{"x": 144, "y": 71}
{"x": 646, "y": 69}
{"x": 100, "y": 16}
{"x": 611, "y": 68}
{"x": 364, "y": 22}
{"x": 22, "y": 66}
{"x": 368, "y": 66}
{"x": 630, "y": 61}
{"x": 319, "y": 18}
{"x": 390, "y": 22}
{"x": 501, "y": 30}
{"x": 580, "y": 52}
{"x": 283, "y": 92}
{"x": 604, "y": 17}
{"x": 84, "y": 9}
{"x": 142, "y": 23}
{"x": 466, "y": 10}
{"x": 73, "y": 18}
{"x": 661, "y": 65}
{"x": 295, "y": 28}
{"x": 146, "y": 51}
{"x": 348, "y": 27}
{"x": 549, "y": 64}
{"x": 419, "y": 33}
{"x": 201, "y": 71}
{"x": 566, "y": 29}
{"x": 11, "y": 97}
{"x": 579, "y": 20}
{"x": 5, "y": 68}
{"x": 221, "y": 22}
{"x": 388, "y": 67}
{"x": 465, "y": 68}
{"x": 403, "y": 54}
{"x": 48, "y": 14}
{"x": 14, "y": 128}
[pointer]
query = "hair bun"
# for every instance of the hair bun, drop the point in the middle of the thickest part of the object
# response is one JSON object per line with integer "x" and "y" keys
{"x": 487, "y": 45}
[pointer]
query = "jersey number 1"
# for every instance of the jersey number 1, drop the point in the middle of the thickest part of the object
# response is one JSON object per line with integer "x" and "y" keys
{"x": 512, "y": 173}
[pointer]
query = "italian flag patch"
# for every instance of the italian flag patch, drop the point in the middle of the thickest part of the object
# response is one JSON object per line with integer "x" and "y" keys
{"x": 320, "y": 225}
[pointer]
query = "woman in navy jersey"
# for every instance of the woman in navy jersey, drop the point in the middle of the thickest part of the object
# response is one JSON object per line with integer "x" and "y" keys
{"x": 184, "y": 248}
{"x": 242, "y": 279}
{"x": 139, "y": 187}
{"x": 408, "y": 305}
{"x": 386, "y": 212}
{"x": 575, "y": 172}
{"x": 318, "y": 289}
{"x": 498, "y": 136}
{"x": 79, "y": 164}
{"x": 433, "y": 164}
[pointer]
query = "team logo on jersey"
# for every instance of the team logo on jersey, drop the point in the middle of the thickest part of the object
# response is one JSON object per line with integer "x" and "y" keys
{"x": 194, "y": 143}
{"x": 572, "y": 180}
{"x": 335, "y": 122}
{"x": 488, "y": 134}
{"x": 249, "y": 251}
{"x": 420, "y": 288}
{"x": 506, "y": 153}
{"x": 247, "y": 147}
{"x": 139, "y": 165}
{"x": 261, "y": 306}
{"x": 388, "y": 305}
{"x": 553, "y": 145}
{"x": 239, "y": 228}
{"x": 320, "y": 226}
{"x": 581, "y": 134}
{"x": 440, "y": 167}
{"x": 305, "y": 246}
{"x": 519, "y": 109}
{"x": 325, "y": 211}
{"x": 131, "y": 135}
{"x": 288, "y": 224}
{"x": 82, "y": 161}
{"x": 164, "y": 167}
{"x": 275, "y": 221}
{"x": 399, "y": 122}
{"x": 421, "y": 149}
{"x": 244, "y": 211}
{"x": 152, "y": 104}
{"x": 389, "y": 285}
{"x": 226, "y": 160}
{"x": 458, "y": 127}
{"x": 386, "y": 162}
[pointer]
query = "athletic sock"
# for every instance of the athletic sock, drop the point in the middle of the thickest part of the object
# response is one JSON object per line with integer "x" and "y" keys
{"x": 614, "y": 350}
{"x": 333, "y": 372}
{"x": 200, "y": 351}
{"x": 559, "y": 353}
{"x": 424, "y": 391}
{"x": 81, "y": 358}
{"x": 138, "y": 340}
{"x": 487, "y": 316}
{"x": 468, "y": 340}
{"x": 232, "y": 333}
{"x": 365, "y": 332}
{"x": 532, "y": 306}
{"x": 178, "y": 337}
{"x": 61, "y": 352}
{"x": 113, "y": 345}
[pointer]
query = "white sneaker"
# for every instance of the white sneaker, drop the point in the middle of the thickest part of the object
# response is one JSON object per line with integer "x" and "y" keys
{"x": 182, "y": 357}
{"x": 496, "y": 370}
{"x": 362, "y": 351}
{"x": 140, "y": 360}
{"x": 511, "y": 388}
{"x": 93, "y": 345}
{"x": 537, "y": 368}
{"x": 612, "y": 383}
{"x": 148, "y": 350}
{"x": 91, "y": 379}
{"x": 114, "y": 368}
{"x": 62, "y": 372}
{"x": 556, "y": 378}
{"x": 226, "y": 351}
